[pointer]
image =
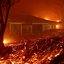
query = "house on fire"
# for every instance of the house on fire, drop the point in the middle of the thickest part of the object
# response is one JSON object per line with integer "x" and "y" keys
{"x": 27, "y": 25}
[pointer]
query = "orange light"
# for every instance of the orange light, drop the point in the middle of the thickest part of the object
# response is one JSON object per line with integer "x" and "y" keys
{"x": 57, "y": 26}
{"x": 46, "y": 18}
{"x": 5, "y": 41}
{"x": 58, "y": 20}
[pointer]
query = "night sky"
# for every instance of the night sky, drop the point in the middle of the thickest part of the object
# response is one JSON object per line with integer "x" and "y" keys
{"x": 51, "y": 9}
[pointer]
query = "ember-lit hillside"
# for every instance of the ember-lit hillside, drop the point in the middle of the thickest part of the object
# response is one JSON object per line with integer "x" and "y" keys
{"x": 49, "y": 50}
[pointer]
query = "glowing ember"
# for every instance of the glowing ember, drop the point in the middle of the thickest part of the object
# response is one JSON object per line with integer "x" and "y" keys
{"x": 46, "y": 52}
{"x": 6, "y": 41}
{"x": 46, "y": 18}
{"x": 58, "y": 20}
{"x": 26, "y": 63}
{"x": 57, "y": 26}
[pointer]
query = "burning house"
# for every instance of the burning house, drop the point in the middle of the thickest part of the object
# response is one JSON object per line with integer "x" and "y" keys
{"x": 30, "y": 25}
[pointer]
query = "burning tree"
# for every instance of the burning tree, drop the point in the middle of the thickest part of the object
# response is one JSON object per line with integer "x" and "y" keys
{"x": 5, "y": 6}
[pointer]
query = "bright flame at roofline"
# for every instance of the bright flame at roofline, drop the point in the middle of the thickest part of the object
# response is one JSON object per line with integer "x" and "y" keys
{"x": 46, "y": 18}
{"x": 58, "y": 20}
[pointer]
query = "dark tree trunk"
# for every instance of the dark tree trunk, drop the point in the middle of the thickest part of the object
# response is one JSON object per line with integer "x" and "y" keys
{"x": 5, "y": 6}
{"x": 1, "y": 37}
{"x": 1, "y": 30}
{"x": 3, "y": 23}
{"x": 1, "y": 44}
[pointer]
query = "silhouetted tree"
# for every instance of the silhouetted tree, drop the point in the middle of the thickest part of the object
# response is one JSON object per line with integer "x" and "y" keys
{"x": 5, "y": 6}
